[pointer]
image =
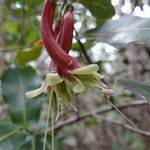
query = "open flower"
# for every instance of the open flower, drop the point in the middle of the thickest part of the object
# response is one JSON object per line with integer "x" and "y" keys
{"x": 65, "y": 89}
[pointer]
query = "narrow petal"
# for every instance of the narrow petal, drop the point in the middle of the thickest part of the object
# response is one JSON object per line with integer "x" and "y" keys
{"x": 107, "y": 91}
{"x": 86, "y": 70}
{"x": 98, "y": 76}
{"x": 75, "y": 85}
{"x": 78, "y": 87}
{"x": 36, "y": 92}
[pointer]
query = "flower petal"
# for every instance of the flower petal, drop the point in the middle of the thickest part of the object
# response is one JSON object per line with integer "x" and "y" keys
{"x": 86, "y": 69}
{"x": 53, "y": 79}
{"x": 97, "y": 75}
{"x": 75, "y": 85}
{"x": 78, "y": 86}
{"x": 36, "y": 92}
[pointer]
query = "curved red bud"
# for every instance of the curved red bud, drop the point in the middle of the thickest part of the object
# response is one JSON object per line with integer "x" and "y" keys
{"x": 65, "y": 35}
{"x": 57, "y": 29}
{"x": 60, "y": 58}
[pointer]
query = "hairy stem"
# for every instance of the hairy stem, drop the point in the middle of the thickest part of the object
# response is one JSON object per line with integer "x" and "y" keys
{"x": 83, "y": 49}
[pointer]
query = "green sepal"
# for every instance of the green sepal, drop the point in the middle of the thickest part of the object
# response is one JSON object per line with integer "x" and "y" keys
{"x": 86, "y": 69}
{"x": 75, "y": 85}
{"x": 53, "y": 79}
{"x": 78, "y": 87}
{"x": 89, "y": 80}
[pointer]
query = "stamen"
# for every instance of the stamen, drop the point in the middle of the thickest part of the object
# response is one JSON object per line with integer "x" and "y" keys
{"x": 107, "y": 91}
{"x": 74, "y": 108}
{"x": 58, "y": 110}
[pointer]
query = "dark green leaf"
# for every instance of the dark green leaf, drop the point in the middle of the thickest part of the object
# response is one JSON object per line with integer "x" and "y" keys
{"x": 87, "y": 45}
{"x": 15, "y": 83}
{"x": 32, "y": 141}
{"x": 6, "y": 127}
{"x": 37, "y": 141}
{"x": 122, "y": 31}
{"x": 137, "y": 87}
{"x": 13, "y": 137}
{"x": 18, "y": 140}
{"x": 100, "y": 9}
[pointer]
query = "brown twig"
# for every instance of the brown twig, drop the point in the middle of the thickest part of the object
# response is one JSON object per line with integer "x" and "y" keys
{"x": 82, "y": 48}
{"x": 144, "y": 133}
{"x": 103, "y": 111}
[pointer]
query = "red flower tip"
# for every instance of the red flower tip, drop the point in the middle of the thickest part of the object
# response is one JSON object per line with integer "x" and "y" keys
{"x": 58, "y": 55}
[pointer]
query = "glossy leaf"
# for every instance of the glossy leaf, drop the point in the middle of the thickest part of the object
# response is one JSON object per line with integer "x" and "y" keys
{"x": 137, "y": 87}
{"x": 15, "y": 83}
{"x": 122, "y": 31}
{"x": 100, "y": 9}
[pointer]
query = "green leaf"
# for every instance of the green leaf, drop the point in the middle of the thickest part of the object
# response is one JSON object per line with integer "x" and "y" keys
{"x": 13, "y": 140}
{"x": 10, "y": 27}
{"x": 100, "y": 9}
{"x": 122, "y": 31}
{"x": 15, "y": 83}
{"x": 28, "y": 55}
{"x": 88, "y": 44}
{"x": 10, "y": 136}
{"x": 137, "y": 87}
{"x": 6, "y": 128}
{"x": 32, "y": 142}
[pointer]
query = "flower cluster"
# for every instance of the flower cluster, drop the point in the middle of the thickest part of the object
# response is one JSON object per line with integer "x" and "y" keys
{"x": 67, "y": 76}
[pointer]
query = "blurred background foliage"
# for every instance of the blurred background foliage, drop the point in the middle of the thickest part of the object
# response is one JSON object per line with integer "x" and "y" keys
{"x": 115, "y": 34}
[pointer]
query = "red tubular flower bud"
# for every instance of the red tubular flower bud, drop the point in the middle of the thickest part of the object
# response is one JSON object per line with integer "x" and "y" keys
{"x": 60, "y": 58}
{"x": 52, "y": 66}
{"x": 65, "y": 36}
{"x": 63, "y": 33}
{"x": 57, "y": 29}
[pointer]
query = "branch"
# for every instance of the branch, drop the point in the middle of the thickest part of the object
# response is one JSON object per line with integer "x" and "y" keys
{"x": 83, "y": 48}
{"x": 144, "y": 133}
{"x": 103, "y": 111}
